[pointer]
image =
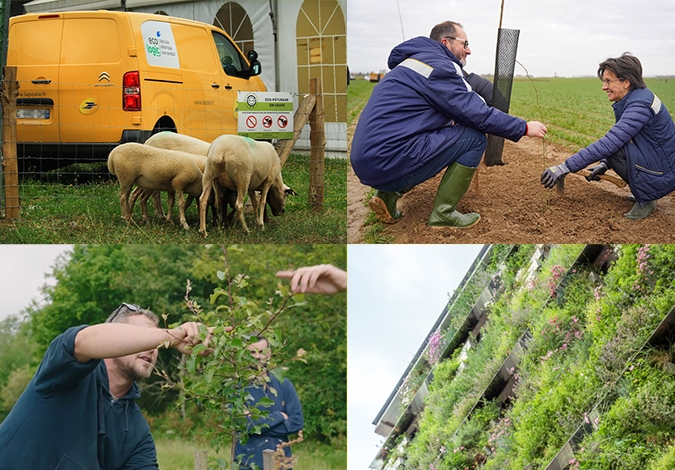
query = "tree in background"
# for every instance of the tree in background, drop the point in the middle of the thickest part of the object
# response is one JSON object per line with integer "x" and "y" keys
{"x": 97, "y": 278}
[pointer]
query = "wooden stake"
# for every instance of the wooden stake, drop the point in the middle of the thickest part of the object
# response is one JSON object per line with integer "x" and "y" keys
{"x": 317, "y": 138}
{"x": 201, "y": 460}
{"x": 305, "y": 107}
{"x": 10, "y": 91}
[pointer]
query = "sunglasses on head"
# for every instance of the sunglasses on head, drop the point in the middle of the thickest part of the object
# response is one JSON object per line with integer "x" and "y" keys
{"x": 118, "y": 310}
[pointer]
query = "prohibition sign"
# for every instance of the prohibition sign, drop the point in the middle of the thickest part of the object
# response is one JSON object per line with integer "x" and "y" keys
{"x": 267, "y": 122}
{"x": 282, "y": 121}
{"x": 251, "y": 122}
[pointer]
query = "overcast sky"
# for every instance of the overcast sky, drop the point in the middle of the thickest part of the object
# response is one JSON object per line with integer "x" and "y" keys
{"x": 396, "y": 293}
{"x": 23, "y": 271}
{"x": 563, "y": 37}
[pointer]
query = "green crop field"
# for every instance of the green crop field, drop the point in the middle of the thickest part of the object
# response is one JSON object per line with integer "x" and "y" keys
{"x": 575, "y": 110}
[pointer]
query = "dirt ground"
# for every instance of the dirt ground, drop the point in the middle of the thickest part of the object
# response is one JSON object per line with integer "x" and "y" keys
{"x": 516, "y": 208}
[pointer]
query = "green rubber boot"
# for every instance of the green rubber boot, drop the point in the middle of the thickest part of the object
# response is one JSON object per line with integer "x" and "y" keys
{"x": 641, "y": 211}
{"x": 383, "y": 203}
{"x": 454, "y": 184}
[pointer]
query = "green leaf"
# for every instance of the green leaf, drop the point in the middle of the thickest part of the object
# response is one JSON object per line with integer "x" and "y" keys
{"x": 200, "y": 348}
{"x": 266, "y": 402}
{"x": 221, "y": 275}
{"x": 192, "y": 364}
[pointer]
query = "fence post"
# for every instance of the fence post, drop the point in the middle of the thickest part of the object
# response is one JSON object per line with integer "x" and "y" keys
{"x": 317, "y": 138}
{"x": 268, "y": 460}
{"x": 299, "y": 120}
{"x": 201, "y": 460}
{"x": 10, "y": 91}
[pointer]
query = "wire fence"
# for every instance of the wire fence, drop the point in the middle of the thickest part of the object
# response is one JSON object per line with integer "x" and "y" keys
{"x": 61, "y": 151}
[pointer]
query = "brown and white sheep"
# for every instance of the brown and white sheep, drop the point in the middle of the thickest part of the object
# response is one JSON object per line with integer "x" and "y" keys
{"x": 245, "y": 166}
{"x": 155, "y": 169}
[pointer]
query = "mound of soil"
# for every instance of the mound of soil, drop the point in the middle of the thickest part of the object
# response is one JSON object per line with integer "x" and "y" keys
{"x": 516, "y": 208}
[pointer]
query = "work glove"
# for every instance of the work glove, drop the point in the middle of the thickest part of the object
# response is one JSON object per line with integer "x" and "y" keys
{"x": 599, "y": 169}
{"x": 551, "y": 175}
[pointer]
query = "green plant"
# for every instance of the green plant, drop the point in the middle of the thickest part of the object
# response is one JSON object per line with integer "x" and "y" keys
{"x": 219, "y": 371}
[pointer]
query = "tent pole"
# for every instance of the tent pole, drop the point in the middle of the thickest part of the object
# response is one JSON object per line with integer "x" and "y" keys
{"x": 274, "y": 9}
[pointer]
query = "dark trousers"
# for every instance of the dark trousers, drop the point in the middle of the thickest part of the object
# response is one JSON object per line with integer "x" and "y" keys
{"x": 617, "y": 162}
{"x": 467, "y": 151}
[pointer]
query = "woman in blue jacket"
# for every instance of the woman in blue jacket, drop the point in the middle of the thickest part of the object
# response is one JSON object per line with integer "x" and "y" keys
{"x": 640, "y": 147}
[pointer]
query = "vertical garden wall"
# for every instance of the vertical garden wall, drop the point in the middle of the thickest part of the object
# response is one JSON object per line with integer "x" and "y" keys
{"x": 572, "y": 367}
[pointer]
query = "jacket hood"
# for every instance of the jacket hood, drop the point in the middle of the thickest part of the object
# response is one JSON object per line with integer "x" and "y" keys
{"x": 420, "y": 44}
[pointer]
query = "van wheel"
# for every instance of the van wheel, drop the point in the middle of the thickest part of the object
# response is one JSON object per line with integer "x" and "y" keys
{"x": 165, "y": 123}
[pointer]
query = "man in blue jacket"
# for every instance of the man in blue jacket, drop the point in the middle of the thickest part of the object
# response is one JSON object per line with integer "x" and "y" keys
{"x": 284, "y": 414}
{"x": 78, "y": 411}
{"x": 640, "y": 147}
{"x": 424, "y": 117}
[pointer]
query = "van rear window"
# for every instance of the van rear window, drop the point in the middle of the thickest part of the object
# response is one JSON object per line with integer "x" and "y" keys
{"x": 90, "y": 41}
{"x": 39, "y": 43}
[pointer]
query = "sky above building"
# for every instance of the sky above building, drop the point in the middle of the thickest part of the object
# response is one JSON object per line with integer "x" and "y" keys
{"x": 566, "y": 38}
{"x": 396, "y": 293}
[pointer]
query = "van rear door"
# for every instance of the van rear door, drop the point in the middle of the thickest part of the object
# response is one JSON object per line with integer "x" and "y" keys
{"x": 93, "y": 62}
{"x": 34, "y": 47}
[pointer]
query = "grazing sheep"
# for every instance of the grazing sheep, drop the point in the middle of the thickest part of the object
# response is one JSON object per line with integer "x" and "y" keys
{"x": 244, "y": 165}
{"x": 169, "y": 141}
{"x": 156, "y": 169}
{"x": 184, "y": 143}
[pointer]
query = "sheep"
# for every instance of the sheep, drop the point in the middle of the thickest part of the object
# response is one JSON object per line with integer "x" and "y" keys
{"x": 156, "y": 169}
{"x": 185, "y": 143}
{"x": 244, "y": 165}
{"x": 169, "y": 141}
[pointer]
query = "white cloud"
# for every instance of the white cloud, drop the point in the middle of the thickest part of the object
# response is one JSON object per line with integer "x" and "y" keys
{"x": 23, "y": 272}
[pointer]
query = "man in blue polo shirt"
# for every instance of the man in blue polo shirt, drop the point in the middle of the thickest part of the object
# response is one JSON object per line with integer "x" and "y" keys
{"x": 78, "y": 411}
{"x": 284, "y": 415}
{"x": 424, "y": 117}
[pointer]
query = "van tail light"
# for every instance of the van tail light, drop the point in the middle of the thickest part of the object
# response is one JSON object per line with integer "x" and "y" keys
{"x": 131, "y": 94}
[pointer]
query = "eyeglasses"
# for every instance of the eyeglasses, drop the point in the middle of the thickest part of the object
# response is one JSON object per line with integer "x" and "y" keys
{"x": 466, "y": 43}
{"x": 608, "y": 82}
{"x": 118, "y": 310}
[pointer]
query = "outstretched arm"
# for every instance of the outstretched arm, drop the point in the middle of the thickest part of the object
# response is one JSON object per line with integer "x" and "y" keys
{"x": 321, "y": 279}
{"x": 109, "y": 340}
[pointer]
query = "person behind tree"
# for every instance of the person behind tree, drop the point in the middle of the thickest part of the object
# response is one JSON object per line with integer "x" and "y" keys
{"x": 284, "y": 415}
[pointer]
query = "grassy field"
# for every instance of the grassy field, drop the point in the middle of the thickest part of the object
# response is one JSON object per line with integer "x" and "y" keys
{"x": 357, "y": 96}
{"x": 89, "y": 212}
{"x": 575, "y": 110}
{"x": 176, "y": 454}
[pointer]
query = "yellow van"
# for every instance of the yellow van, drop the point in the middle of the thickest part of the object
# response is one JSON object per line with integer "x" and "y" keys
{"x": 90, "y": 80}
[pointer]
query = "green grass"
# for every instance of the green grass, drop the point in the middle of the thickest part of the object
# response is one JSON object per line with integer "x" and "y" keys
{"x": 357, "y": 96}
{"x": 177, "y": 454}
{"x": 89, "y": 212}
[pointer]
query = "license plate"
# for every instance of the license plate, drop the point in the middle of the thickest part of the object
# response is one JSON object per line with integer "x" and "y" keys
{"x": 32, "y": 113}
